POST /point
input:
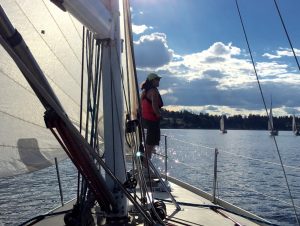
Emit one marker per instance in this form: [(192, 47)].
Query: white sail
[(270, 123), (295, 130), (294, 126), (273, 131), (222, 123), (55, 41)]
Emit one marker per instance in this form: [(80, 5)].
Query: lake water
[(249, 174)]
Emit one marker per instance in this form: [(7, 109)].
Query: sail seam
[(68, 72), (16, 117), (18, 83), (73, 51)]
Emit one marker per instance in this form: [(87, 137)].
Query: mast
[(103, 19), (113, 110)]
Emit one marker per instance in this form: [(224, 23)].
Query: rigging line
[(141, 134), (112, 111), (265, 195), (95, 95), (212, 207), (81, 103), (122, 79), (72, 20), (198, 145), (287, 34), (119, 124), (259, 160), (31, 148), (126, 33), (21, 119), (93, 99), (113, 89), (89, 59), (89, 55), (118, 111), (278, 152), (252, 60), (73, 51), (81, 81), (99, 72), (231, 153), (59, 60), (185, 164), (128, 14)]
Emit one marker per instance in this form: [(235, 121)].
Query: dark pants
[(153, 132)]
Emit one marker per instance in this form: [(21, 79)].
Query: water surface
[(249, 174)]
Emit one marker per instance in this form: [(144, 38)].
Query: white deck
[(188, 215)]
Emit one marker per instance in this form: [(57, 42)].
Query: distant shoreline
[(188, 120)]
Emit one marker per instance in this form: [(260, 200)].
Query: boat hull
[(196, 209)]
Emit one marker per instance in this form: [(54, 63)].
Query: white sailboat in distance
[(273, 131), (222, 125), (295, 130)]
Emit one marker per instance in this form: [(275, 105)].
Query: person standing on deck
[(151, 104)]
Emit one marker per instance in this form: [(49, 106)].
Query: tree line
[(188, 120)]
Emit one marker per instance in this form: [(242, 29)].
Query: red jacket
[(147, 109)]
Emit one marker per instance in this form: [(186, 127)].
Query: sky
[(199, 49)]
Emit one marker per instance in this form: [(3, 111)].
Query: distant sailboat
[(273, 132), (222, 125), (294, 127)]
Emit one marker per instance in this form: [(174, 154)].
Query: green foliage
[(189, 120)]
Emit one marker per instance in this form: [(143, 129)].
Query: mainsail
[(26, 144), (270, 123), (222, 124), (294, 126), (273, 131)]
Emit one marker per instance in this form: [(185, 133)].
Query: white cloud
[(165, 91), (271, 69), (282, 52), (271, 56), (139, 29), (217, 63), (152, 51), (221, 79)]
